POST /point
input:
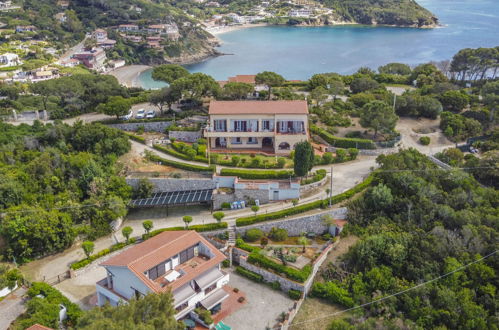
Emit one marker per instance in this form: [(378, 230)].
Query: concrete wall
[(124, 280), (158, 126), (295, 227), (247, 194), (166, 184), (186, 136)]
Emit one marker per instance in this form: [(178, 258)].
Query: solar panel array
[(174, 198)]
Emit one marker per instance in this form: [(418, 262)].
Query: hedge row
[(249, 274), (318, 176), (342, 142), (246, 221), (115, 247), (254, 174), (291, 273), (175, 153), (136, 138), (183, 166), (246, 247), (198, 228)]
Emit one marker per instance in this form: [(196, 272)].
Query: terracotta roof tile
[(258, 107), (244, 78), (38, 327)]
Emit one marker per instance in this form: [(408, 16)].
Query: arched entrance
[(284, 146)]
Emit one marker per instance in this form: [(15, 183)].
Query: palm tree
[(303, 241)]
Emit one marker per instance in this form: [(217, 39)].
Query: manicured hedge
[(294, 294), (342, 142), (249, 274), (254, 174), (198, 228), (246, 221), (183, 166), (115, 247), (291, 273), (318, 176), (246, 247), (175, 153), (136, 138)]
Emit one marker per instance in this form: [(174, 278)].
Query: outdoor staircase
[(232, 235)]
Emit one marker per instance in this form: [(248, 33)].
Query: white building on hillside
[(9, 59), (182, 262)]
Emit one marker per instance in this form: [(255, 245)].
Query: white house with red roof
[(273, 127), (182, 262)]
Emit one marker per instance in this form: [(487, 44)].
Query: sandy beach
[(128, 75), (215, 30)]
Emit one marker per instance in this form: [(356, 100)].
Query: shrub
[(241, 300), (278, 234), (425, 140), (342, 142), (294, 294), (218, 216), (198, 228), (204, 315), (318, 175), (333, 293), (275, 285), (249, 274), (281, 162), (140, 129), (225, 205), (246, 247), (253, 235), (254, 174), (226, 263), (235, 160)]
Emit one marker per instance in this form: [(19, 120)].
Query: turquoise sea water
[(299, 52)]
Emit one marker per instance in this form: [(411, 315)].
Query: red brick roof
[(244, 78), (157, 249), (38, 327), (258, 107)]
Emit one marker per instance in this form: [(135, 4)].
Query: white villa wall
[(124, 282)]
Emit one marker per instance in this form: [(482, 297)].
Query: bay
[(299, 52)]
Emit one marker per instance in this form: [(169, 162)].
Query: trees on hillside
[(116, 106), (475, 64), (196, 86), (379, 116), (269, 79), (153, 311), (169, 72), (237, 90), (395, 68), (303, 158), (164, 96)]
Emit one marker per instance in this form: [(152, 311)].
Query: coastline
[(128, 75)]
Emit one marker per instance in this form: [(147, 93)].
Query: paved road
[(11, 307)]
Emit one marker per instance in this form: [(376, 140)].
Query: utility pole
[(331, 188)]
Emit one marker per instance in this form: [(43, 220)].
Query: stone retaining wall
[(313, 185), (158, 126), (295, 227), (268, 276), (185, 136)]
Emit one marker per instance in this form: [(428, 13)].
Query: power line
[(397, 293)]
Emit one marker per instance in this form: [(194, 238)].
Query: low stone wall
[(158, 126), (313, 185), (166, 184), (295, 227), (185, 136), (268, 276)]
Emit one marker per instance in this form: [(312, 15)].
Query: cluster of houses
[(153, 35)]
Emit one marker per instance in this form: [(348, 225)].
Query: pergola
[(174, 198)]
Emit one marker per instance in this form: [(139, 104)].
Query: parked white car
[(141, 114), (151, 114), (128, 116)]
